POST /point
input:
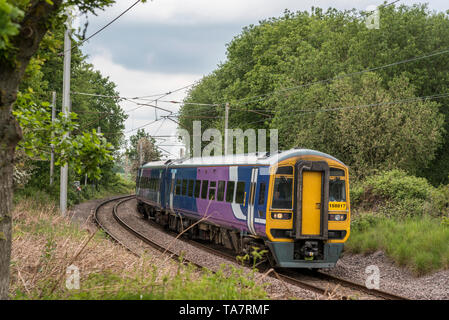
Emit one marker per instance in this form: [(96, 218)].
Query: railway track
[(316, 281)]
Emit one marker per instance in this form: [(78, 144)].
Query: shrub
[(395, 193)]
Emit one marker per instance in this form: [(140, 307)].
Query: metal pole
[(52, 156), (140, 152), (65, 110), (226, 129)]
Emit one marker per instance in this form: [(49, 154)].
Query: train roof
[(259, 159)]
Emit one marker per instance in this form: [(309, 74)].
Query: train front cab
[(308, 212)]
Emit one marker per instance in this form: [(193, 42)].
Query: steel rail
[(277, 273)]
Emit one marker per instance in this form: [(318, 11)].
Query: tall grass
[(419, 243), (45, 244)]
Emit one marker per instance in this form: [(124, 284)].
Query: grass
[(45, 244), (118, 185), (418, 243)]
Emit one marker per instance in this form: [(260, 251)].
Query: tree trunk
[(10, 134), (32, 29)]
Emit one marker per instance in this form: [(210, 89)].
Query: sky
[(163, 45)]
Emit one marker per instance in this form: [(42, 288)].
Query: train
[(294, 205)]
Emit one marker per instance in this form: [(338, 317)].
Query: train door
[(312, 198), (311, 202), (251, 200), (170, 189)]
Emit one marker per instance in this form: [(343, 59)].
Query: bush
[(395, 193)]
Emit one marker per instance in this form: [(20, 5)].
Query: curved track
[(315, 281)]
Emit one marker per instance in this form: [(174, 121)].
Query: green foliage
[(43, 75), (394, 193), (228, 283), (141, 149), (9, 15), (300, 48), (87, 152), (417, 243)]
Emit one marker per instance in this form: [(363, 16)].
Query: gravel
[(83, 214), (393, 278)]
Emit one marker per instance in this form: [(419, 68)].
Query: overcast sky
[(163, 45)]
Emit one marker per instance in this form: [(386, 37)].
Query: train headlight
[(337, 217), (281, 215)]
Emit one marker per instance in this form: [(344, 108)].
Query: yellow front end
[(309, 188)]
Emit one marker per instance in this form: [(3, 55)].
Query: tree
[(23, 26), (269, 69), (43, 75), (142, 148)]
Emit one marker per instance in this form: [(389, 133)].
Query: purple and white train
[(294, 203)]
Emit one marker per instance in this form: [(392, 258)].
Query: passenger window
[(230, 191), (221, 189), (184, 187), (178, 187), (190, 194), (240, 194), (262, 193), (197, 188), (204, 186), (212, 190)]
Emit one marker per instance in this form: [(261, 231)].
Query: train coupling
[(309, 250)]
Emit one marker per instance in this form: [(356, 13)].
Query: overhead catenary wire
[(101, 29)]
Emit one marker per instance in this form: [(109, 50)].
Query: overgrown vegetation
[(276, 76), (301, 73), (403, 215), (116, 185), (45, 244), (418, 243)]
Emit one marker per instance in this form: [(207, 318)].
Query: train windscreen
[(337, 191), (282, 193)]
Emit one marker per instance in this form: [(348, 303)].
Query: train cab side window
[(230, 191), (262, 193), (190, 193), (204, 186), (221, 189), (240, 194), (178, 187), (184, 187), (197, 188)]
